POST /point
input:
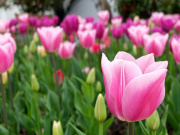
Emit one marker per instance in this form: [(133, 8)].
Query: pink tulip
[(50, 37), (116, 22), (105, 34), (7, 38), (177, 26), (4, 24), (6, 57), (155, 43), (66, 49), (22, 28), (156, 17), (175, 44), (136, 34), (87, 38), (174, 37), (104, 16), (134, 88), (24, 18)]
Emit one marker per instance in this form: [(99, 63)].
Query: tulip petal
[(145, 61), (156, 66), (124, 56), (143, 95)]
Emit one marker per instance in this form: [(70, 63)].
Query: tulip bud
[(98, 86), (35, 37), (57, 128), (26, 49), (91, 76), (11, 69), (100, 109), (32, 47), (151, 24), (4, 77), (136, 18), (41, 51), (34, 83), (153, 121), (86, 56)]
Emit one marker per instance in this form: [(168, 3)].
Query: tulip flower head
[(4, 26), (136, 34), (60, 76), (24, 18), (156, 17), (33, 20), (100, 28), (6, 57), (87, 38), (66, 49), (22, 28), (104, 16), (175, 37), (175, 44), (134, 88), (117, 32), (70, 24), (50, 37), (155, 43)]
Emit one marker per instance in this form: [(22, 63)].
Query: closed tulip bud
[(136, 18), (100, 109), (57, 128), (98, 86), (32, 47), (26, 49), (34, 83), (153, 121), (86, 56), (35, 37), (4, 77), (41, 51), (11, 69), (91, 76)]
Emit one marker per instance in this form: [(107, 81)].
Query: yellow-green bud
[(98, 86), (91, 76), (34, 83), (32, 47), (153, 121), (4, 77), (11, 69), (26, 49), (100, 109), (57, 128), (86, 56), (35, 37)]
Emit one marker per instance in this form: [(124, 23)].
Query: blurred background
[(126, 8)]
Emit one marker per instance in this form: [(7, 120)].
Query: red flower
[(60, 76)]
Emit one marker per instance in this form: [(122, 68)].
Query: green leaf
[(3, 131), (108, 123), (47, 125), (87, 90), (175, 95), (163, 121), (144, 130), (76, 129)]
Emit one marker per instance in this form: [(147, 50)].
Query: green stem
[(4, 103), (131, 128), (117, 41), (153, 133), (52, 58), (10, 91), (101, 128), (89, 58), (176, 69)]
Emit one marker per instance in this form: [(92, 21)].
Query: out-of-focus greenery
[(144, 8)]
